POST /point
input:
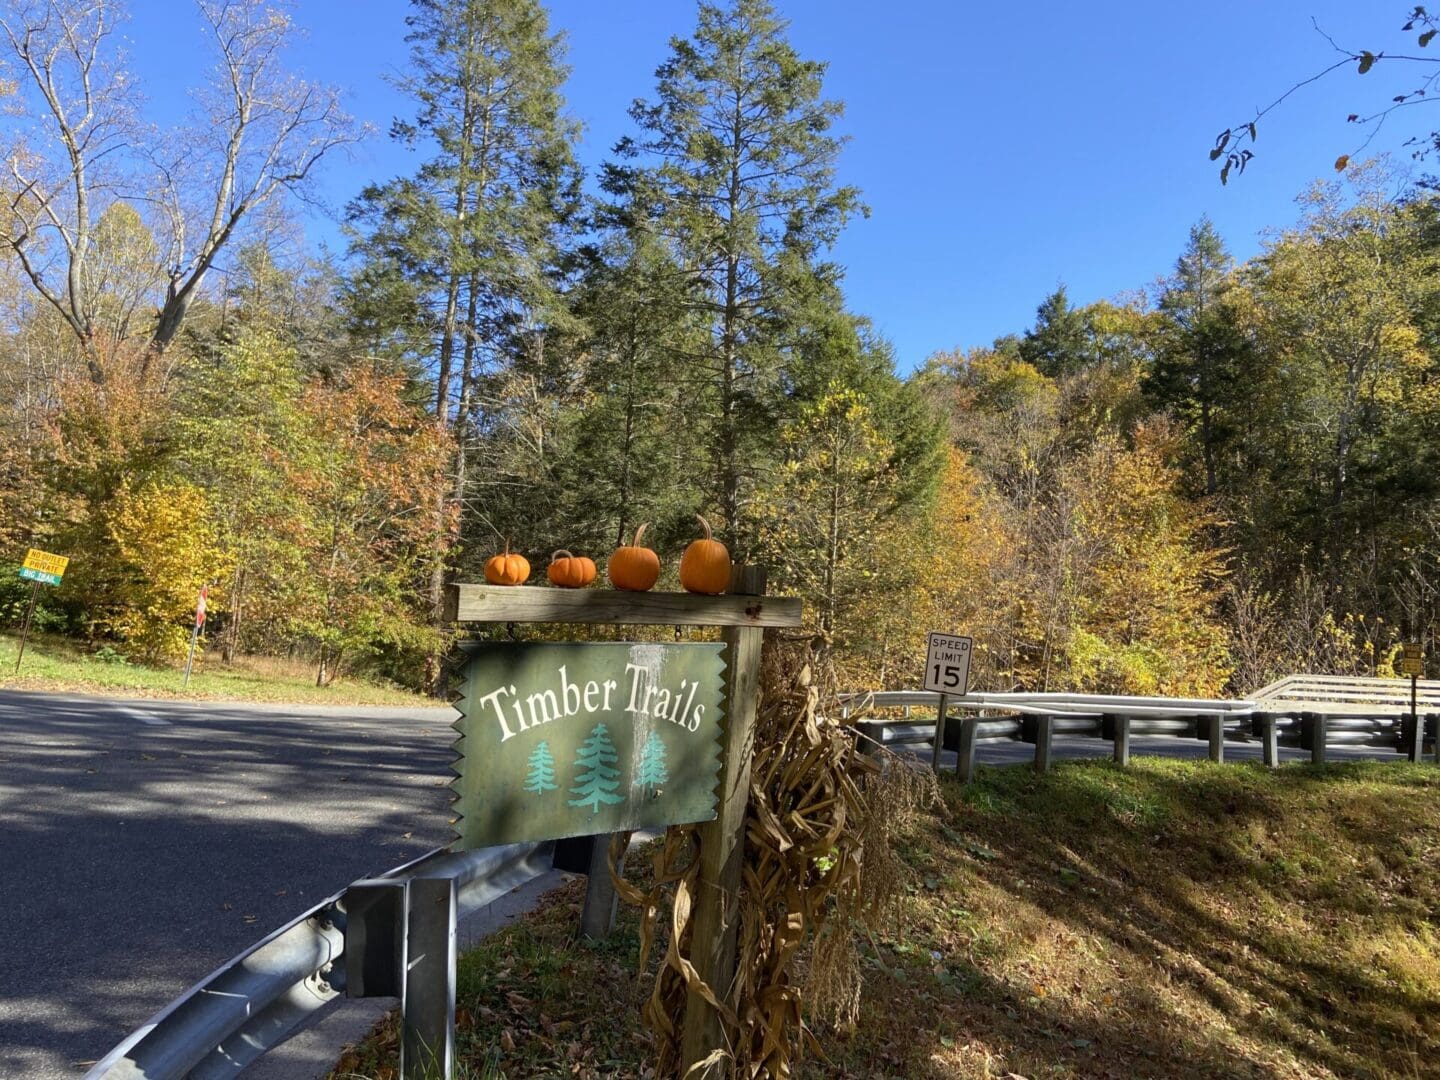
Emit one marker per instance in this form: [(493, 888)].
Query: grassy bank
[(59, 664), (1176, 919)]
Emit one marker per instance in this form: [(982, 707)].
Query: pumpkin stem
[(640, 532), (706, 526), (555, 556), (507, 545)]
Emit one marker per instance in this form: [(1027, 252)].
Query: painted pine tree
[(599, 779), (541, 777), (652, 771)]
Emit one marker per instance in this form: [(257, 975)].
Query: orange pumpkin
[(507, 569), (634, 567), (571, 572), (705, 566)]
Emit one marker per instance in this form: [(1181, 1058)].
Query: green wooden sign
[(578, 739)]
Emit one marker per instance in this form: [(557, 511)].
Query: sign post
[(195, 631), (947, 673), (39, 568)]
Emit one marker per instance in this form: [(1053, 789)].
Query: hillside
[(1171, 920)]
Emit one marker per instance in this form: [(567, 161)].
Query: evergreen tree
[(461, 261), (1059, 343), (652, 771), (541, 777), (610, 458), (599, 779), (1202, 350), (735, 161)]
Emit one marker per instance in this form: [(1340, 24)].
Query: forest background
[(1226, 475)]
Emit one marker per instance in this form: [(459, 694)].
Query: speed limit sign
[(947, 663)]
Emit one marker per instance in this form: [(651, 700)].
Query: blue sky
[(1003, 148)]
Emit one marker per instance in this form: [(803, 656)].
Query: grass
[(55, 663), (1172, 919)]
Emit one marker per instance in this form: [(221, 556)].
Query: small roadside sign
[(39, 568), (947, 663), (1412, 660), (43, 567), (195, 631)]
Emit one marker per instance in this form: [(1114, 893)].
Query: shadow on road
[(139, 856)]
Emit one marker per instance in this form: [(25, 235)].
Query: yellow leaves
[(166, 550)]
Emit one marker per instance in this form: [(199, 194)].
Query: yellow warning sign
[(35, 559)]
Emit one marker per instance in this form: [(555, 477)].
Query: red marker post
[(195, 630)]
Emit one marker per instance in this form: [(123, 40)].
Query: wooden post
[(722, 842), (939, 732), (1415, 744), (965, 766), (1122, 740), (1217, 738), (1269, 739), (1044, 734)]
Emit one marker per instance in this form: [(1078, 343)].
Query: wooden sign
[(43, 567), (947, 663), (564, 740)]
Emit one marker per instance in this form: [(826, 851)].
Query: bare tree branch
[(80, 150)]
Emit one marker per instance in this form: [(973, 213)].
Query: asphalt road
[(143, 843)]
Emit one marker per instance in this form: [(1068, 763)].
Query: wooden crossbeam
[(534, 604)]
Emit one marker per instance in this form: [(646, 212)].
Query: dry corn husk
[(819, 868)]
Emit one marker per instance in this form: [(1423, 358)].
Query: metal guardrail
[(1311, 691), (1038, 718), (256, 1000)]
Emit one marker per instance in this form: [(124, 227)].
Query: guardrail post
[(1313, 730), (427, 1004), (1044, 735), (1412, 737), (597, 918), (374, 938), (1432, 728), (965, 766), (1122, 739), (939, 732), (1216, 734), (1263, 724)]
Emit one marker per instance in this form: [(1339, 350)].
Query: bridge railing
[(1312, 723)]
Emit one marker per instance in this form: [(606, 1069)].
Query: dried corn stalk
[(819, 868)]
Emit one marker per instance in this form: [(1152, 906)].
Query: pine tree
[(599, 779), (1202, 350), (653, 771), (1059, 343), (460, 261), (736, 160), (626, 465), (542, 771)]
